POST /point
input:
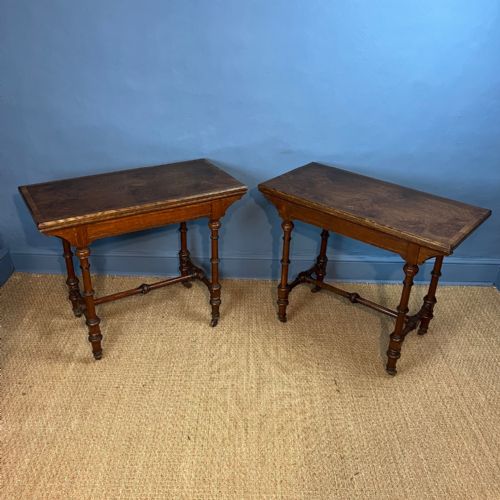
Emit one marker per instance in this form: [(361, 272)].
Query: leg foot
[(78, 312), (422, 330), (397, 337), (214, 322), (391, 371)]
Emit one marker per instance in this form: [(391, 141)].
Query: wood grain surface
[(92, 198), (411, 215)]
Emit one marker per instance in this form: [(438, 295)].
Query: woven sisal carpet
[(253, 408)]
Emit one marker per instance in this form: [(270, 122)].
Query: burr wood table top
[(414, 216), (94, 198)]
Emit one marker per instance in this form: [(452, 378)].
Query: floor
[(253, 408)]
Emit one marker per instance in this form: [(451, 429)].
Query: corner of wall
[(6, 265)]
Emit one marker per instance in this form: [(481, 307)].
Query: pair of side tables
[(416, 225)]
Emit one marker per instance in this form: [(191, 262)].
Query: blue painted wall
[(404, 91)]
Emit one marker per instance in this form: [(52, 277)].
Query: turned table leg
[(93, 320), (283, 289), (426, 313), (321, 261), (72, 281), (215, 288), (397, 337), (184, 260)]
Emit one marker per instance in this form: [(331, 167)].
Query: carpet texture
[(253, 408)]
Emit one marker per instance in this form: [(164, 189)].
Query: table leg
[(426, 313), (184, 260), (283, 289), (93, 320), (397, 337), (215, 288), (321, 261), (72, 281)]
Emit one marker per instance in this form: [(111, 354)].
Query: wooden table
[(84, 209), (413, 224)]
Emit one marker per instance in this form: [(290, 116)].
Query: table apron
[(83, 234), (408, 250), (150, 220)]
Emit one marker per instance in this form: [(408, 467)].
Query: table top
[(81, 200), (416, 216)]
